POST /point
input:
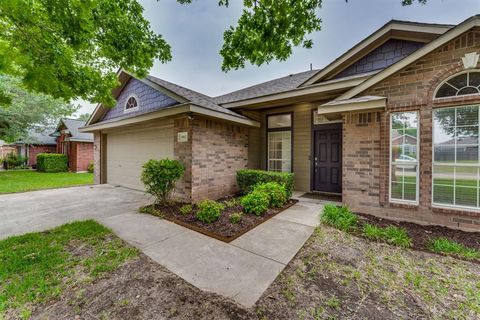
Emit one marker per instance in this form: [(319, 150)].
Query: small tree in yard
[(160, 177)]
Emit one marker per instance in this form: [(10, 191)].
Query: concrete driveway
[(241, 270), (44, 209)]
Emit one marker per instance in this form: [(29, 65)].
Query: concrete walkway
[(241, 270)]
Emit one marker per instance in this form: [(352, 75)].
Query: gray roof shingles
[(279, 85), (73, 125), (193, 96)]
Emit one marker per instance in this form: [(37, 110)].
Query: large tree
[(28, 110), (72, 48)]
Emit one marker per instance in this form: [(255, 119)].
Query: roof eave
[(302, 91), (169, 112)]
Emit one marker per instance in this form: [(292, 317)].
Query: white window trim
[(453, 206), (417, 185), (275, 159), (125, 110), (448, 79)]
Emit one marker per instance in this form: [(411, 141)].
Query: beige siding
[(302, 136), (128, 150)]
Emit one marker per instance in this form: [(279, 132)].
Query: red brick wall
[(83, 155), (410, 89), (33, 150)]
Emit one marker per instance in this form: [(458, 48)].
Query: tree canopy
[(28, 110), (72, 49)]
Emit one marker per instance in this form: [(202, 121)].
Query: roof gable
[(149, 100), (385, 55), (448, 36), (399, 30)]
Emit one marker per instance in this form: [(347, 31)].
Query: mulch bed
[(422, 235), (222, 229)]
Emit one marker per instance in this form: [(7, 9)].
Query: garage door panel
[(128, 151)]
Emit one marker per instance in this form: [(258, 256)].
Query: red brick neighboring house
[(392, 125), (76, 145), (37, 142)]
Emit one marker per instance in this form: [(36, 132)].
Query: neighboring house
[(78, 146), (6, 148), (36, 142), (332, 127)]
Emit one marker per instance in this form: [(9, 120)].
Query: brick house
[(391, 125), (78, 146), (37, 142)]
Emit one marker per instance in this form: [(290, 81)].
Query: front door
[(327, 161)]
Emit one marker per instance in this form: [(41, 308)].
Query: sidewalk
[(242, 269)]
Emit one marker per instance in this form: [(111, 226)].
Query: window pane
[(467, 116), (459, 81), (465, 196), (279, 151), (446, 91), (443, 195), (443, 175), (280, 121), (456, 184), (474, 79), (403, 150)]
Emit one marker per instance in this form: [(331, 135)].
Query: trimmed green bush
[(391, 234), (255, 202), (277, 194), (160, 177), (339, 217), (236, 217), (209, 211), (90, 167), (446, 246), (186, 209), (247, 179), (52, 162)]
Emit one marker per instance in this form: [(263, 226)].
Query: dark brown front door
[(327, 165)]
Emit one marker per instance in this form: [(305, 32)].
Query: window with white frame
[(131, 103), (279, 142), (456, 166), (465, 83), (404, 157)]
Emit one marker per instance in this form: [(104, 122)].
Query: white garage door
[(127, 151)]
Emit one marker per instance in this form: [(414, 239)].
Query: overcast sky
[(195, 33)]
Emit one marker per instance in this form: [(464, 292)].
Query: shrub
[(231, 203), (277, 193), (186, 209), (90, 167), (391, 234), (339, 217), (52, 162), (209, 211), (152, 211), (256, 202), (14, 161), (236, 217), (160, 177), (247, 179), (446, 246)]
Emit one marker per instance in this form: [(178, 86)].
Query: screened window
[(131, 103), (462, 84), (456, 157), (279, 131), (404, 157)]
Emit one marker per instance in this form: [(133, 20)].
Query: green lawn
[(18, 181), (37, 267)]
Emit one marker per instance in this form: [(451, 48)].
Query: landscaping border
[(211, 234)]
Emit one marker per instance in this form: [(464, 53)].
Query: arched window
[(131, 103), (466, 83)]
